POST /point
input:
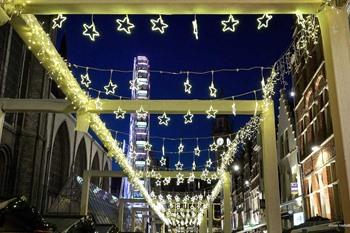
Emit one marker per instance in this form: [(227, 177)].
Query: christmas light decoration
[(187, 85), (147, 146), (194, 165), (148, 161), (191, 177), (263, 21), (213, 146), (212, 90), (179, 166), (188, 117), (166, 181), (158, 182), (179, 178), (180, 148), (158, 24), (234, 110), (163, 119), (98, 103), (134, 85), (141, 113), (119, 114), (58, 21), (124, 25), (195, 27), (85, 79), (229, 24), (211, 112), (110, 87), (162, 161), (208, 163), (204, 174), (197, 151), (90, 30)]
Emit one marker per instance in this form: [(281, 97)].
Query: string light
[(263, 21), (159, 25), (179, 178), (58, 21), (148, 146), (163, 119), (187, 85), (124, 25), (229, 24), (188, 117), (179, 166), (181, 147), (162, 161), (141, 113), (90, 30), (211, 112), (119, 114), (212, 89), (213, 146), (85, 79), (197, 151), (195, 27), (110, 87)]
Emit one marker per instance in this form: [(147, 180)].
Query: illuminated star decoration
[(119, 114), (234, 110), (208, 163), (188, 117), (110, 88), (179, 166), (197, 151), (148, 161), (229, 24), (90, 31), (214, 176), (213, 146), (98, 103), (148, 146), (191, 177), (180, 148), (141, 113), (163, 119), (204, 174), (166, 181), (158, 24), (195, 27), (85, 79), (158, 183), (212, 90), (124, 25), (162, 161), (187, 85), (263, 21), (179, 178), (194, 165), (58, 21), (134, 85), (211, 112)]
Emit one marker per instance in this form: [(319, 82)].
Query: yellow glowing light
[(263, 21), (158, 24), (124, 25), (229, 24)]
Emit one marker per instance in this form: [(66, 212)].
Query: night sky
[(178, 50)]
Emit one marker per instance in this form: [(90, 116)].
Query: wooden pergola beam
[(169, 6)]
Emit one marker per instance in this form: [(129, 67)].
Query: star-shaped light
[(212, 90), (148, 161), (134, 85), (163, 119), (166, 181), (263, 21), (141, 113), (98, 103), (234, 110), (208, 163), (169, 197), (133, 155), (179, 178), (58, 21), (208, 180), (153, 195), (191, 177), (180, 148), (119, 114), (194, 165), (211, 112), (214, 176), (195, 28), (179, 166), (110, 88), (124, 25), (229, 24), (153, 172), (177, 198), (85, 80), (188, 86), (162, 161), (148, 146), (213, 146), (197, 151), (90, 31), (204, 174), (158, 182), (159, 25), (188, 117)]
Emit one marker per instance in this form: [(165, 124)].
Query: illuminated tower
[(139, 126)]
